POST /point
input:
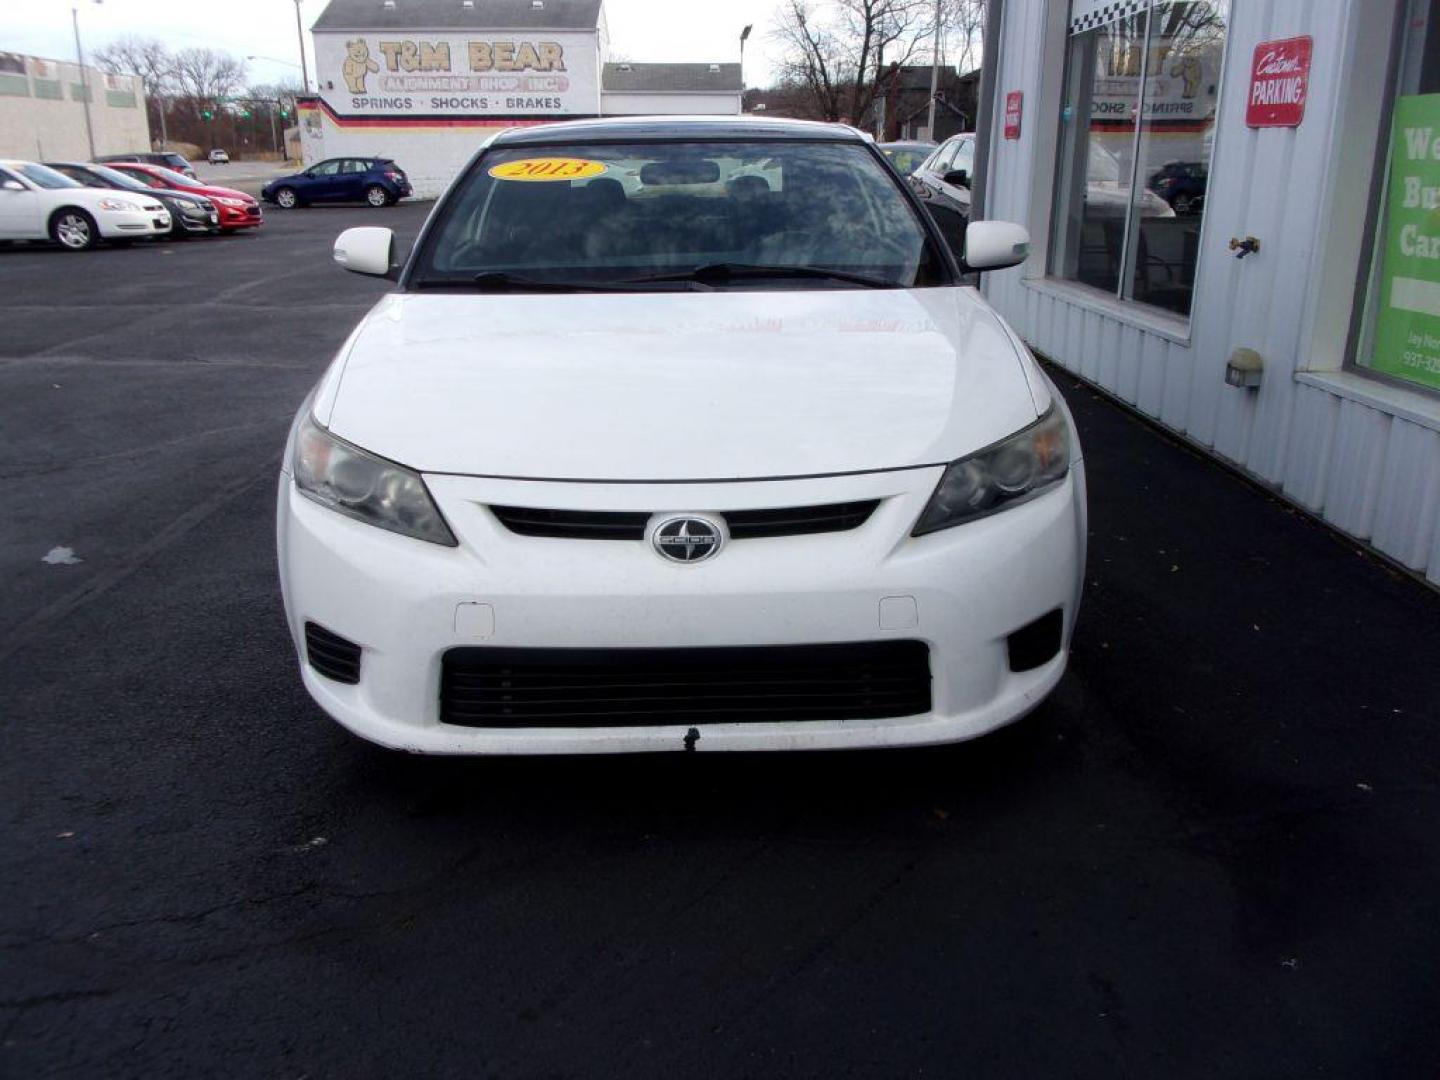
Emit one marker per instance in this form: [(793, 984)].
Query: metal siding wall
[(1373, 476)]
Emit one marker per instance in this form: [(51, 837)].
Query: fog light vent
[(331, 655), (1036, 643)]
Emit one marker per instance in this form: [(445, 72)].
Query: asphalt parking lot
[(1212, 853)]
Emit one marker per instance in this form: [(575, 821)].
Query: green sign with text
[(1407, 337)]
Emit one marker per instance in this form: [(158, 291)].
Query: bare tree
[(204, 77), (837, 50), (146, 57), (152, 61), (282, 94), (965, 32)]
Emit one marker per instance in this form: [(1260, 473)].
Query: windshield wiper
[(721, 272)]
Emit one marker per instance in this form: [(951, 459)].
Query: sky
[(640, 30)]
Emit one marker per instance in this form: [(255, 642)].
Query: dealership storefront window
[(1137, 127), (1399, 333)]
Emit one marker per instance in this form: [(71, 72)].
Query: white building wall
[(42, 115), (1363, 455)]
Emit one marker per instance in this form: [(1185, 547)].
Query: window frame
[(950, 262), (1055, 201), (1368, 270)]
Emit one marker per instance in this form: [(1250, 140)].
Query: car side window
[(327, 168), (965, 156), (942, 161), (351, 166)]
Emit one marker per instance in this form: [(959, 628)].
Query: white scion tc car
[(680, 434), (37, 202)]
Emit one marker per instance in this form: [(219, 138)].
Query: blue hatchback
[(377, 181)]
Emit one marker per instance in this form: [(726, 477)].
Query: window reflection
[(1137, 128)]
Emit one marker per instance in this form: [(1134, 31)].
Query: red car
[(237, 210)]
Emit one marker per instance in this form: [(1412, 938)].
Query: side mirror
[(366, 249), (12, 185), (995, 245), (958, 177)]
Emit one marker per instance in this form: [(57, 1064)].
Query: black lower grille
[(630, 525), (331, 655), (550, 688)]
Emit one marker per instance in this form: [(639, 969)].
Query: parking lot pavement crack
[(27, 630)]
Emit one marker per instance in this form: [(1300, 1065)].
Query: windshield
[(116, 177), (808, 214), (908, 158), (175, 178), (45, 177)]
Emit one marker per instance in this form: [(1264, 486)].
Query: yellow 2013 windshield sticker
[(548, 168)]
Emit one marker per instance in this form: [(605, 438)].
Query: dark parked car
[(188, 213), (377, 181), (1182, 185), (177, 162), (907, 156)]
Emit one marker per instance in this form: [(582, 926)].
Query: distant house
[(907, 103), (904, 97)]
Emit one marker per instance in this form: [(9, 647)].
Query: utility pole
[(935, 73), (880, 95), (274, 138), (300, 34), (160, 101), (744, 34), (84, 79)]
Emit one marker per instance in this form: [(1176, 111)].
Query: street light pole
[(300, 36), (84, 78)]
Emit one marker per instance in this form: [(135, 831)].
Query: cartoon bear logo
[(1188, 68), (357, 64)]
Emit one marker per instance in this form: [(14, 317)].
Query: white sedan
[(729, 457), (37, 203)]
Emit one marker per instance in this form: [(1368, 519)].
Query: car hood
[(678, 386), (91, 197), (224, 192)]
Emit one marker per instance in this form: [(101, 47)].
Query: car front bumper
[(116, 224), (233, 217), (198, 221), (961, 591)]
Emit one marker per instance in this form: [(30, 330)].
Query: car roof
[(634, 128)]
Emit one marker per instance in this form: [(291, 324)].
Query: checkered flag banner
[(1088, 14)]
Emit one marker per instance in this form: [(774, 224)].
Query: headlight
[(237, 203), (118, 204), (1013, 470), (365, 487)]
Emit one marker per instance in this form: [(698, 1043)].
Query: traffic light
[(245, 114), (206, 114), (284, 112)]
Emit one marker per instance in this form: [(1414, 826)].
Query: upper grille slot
[(799, 520), (630, 525), (573, 524)]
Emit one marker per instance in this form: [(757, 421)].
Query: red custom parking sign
[(1279, 83), (1014, 107)]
